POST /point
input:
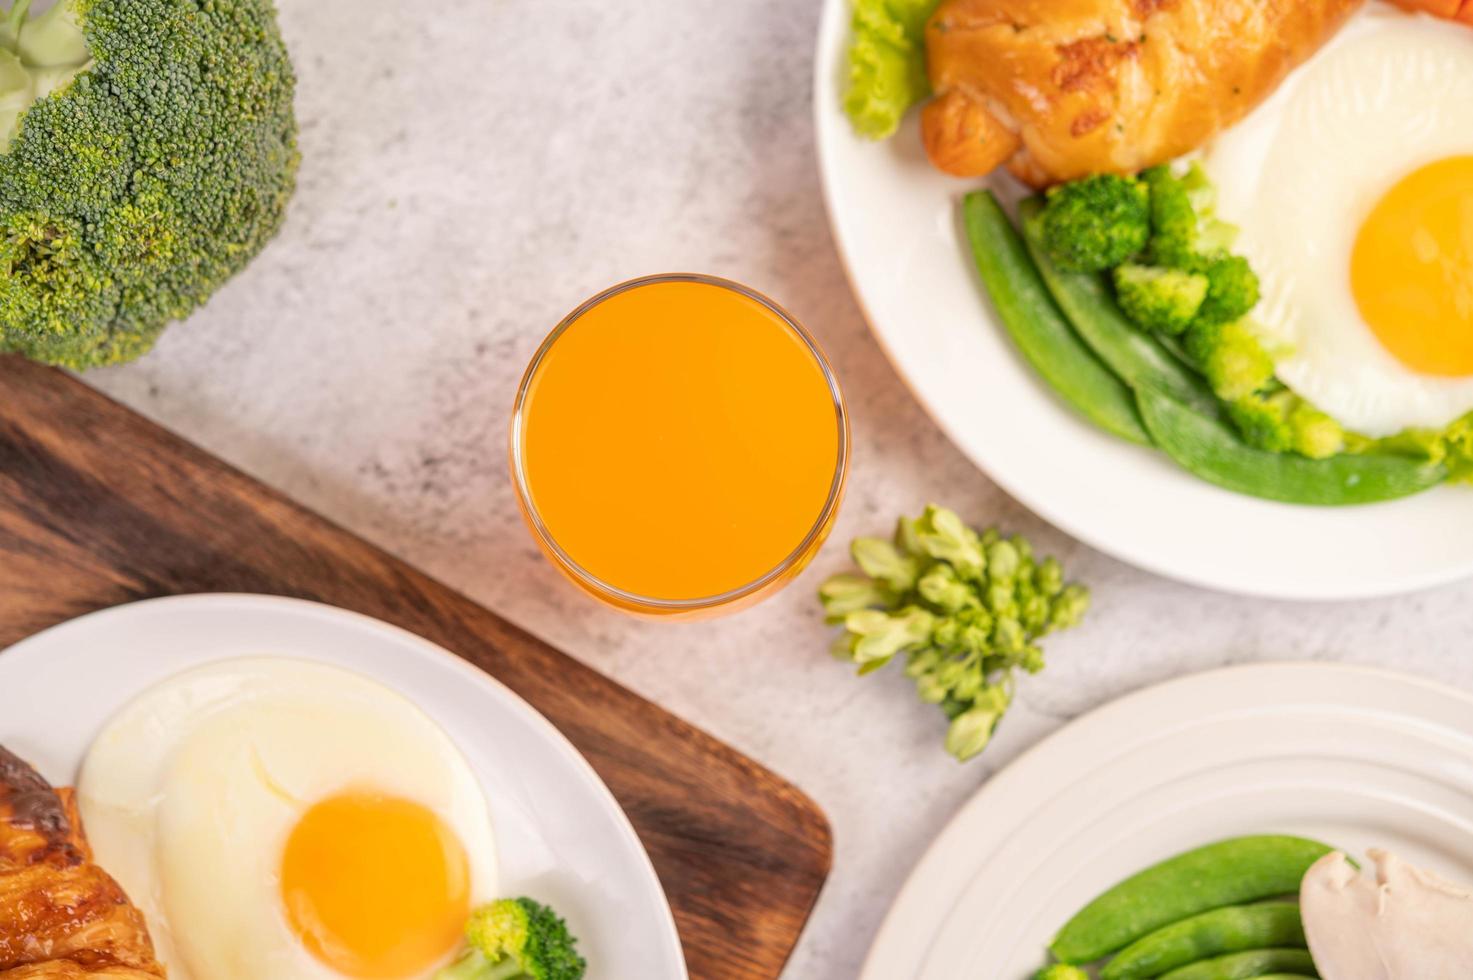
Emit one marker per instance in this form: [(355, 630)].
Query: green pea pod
[(1211, 450), (1253, 963), (1230, 872), (1038, 328), (1137, 358), (1270, 925)]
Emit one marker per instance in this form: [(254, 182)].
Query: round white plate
[(561, 836), (895, 219), (1352, 756)]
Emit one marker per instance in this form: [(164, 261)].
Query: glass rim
[(622, 596)]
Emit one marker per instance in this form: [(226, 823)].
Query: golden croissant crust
[(1060, 89), (61, 916)]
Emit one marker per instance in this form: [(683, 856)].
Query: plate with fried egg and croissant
[(232, 787), (1191, 279)]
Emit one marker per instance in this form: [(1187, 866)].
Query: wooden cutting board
[(99, 506)]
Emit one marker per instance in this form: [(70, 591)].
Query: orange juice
[(679, 444)]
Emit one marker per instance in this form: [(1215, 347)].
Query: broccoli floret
[(1200, 192), (1230, 357), (1280, 421), (1232, 289), (1263, 420), (1159, 299), (1458, 445), (1061, 971), (1184, 232), (1097, 223), (1315, 434), (151, 155), (1173, 219), (516, 939)]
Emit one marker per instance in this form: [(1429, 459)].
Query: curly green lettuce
[(887, 63)]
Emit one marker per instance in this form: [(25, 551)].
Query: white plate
[(1352, 756), (896, 225), (561, 836)]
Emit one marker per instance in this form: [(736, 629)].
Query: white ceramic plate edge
[(830, 126), (913, 915), (470, 673)]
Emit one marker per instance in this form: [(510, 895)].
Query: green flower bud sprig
[(966, 610)]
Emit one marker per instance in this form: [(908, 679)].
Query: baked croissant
[(1060, 89), (61, 916)]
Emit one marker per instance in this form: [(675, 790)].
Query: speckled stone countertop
[(475, 168)]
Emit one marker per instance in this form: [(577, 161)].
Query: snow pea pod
[(1230, 872), (1037, 326), (1253, 963), (1139, 359), (1208, 448), (1270, 925)]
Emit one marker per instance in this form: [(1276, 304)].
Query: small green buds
[(964, 609)]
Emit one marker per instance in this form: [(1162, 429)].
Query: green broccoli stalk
[(966, 610), (1095, 224), (150, 150), (516, 939), (1159, 299), (1061, 971)]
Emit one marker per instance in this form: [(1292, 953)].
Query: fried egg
[(286, 819), (1353, 187)]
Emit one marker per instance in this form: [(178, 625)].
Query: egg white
[(190, 793), (1391, 94)]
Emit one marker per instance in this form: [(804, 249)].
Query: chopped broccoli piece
[(1173, 219), (887, 63), (1159, 299), (1184, 232), (1097, 223), (151, 155), (1457, 443), (1232, 289), (1215, 237), (1315, 434), (1061, 971), (1263, 420), (1196, 288), (516, 939), (966, 610), (1280, 421), (1230, 357), (1198, 185)]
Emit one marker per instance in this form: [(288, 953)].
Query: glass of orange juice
[(679, 446)]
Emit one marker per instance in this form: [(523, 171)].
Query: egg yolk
[(375, 886), (1411, 269)]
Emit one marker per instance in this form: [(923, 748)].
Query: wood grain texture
[(99, 506)]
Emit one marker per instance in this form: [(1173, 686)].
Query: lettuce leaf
[(887, 63)]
